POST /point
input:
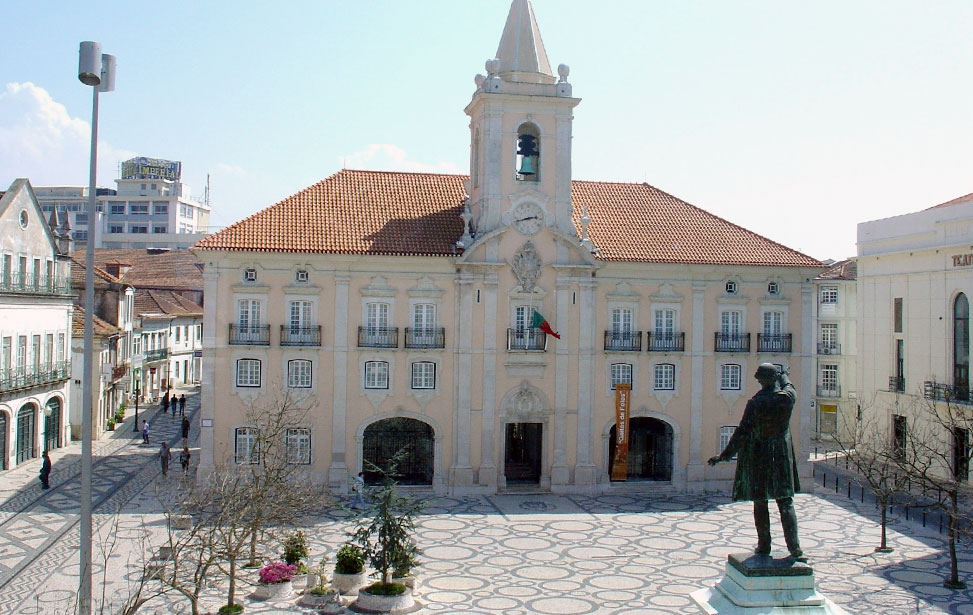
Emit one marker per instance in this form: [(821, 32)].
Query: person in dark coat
[(46, 472), (165, 402), (185, 428), (165, 455), (766, 466), (182, 405)]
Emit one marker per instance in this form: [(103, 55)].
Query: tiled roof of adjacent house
[(150, 268), (418, 214), (842, 270), (165, 302), (960, 199), (102, 278), (99, 327)]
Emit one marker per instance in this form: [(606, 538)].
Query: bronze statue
[(766, 467)]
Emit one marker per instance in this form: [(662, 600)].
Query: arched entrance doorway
[(649, 449), (383, 439), (3, 441), (52, 425), (25, 433)]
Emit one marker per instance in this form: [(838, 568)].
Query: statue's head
[(766, 373)]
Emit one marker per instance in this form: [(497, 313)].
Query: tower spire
[(521, 51)]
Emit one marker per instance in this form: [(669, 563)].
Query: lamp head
[(89, 63)]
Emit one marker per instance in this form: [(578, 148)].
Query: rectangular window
[(726, 432), (621, 321), (899, 435), (897, 315), (139, 207), (829, 294), (60, 347), (773, 323), (248, 314), (160, 208), (199, 332), (621, 373), (49, 348), (118, 208), (5, 357), (423, 375), (140, 229), (730, 377), (300, 315), (246, 445), (665, 377), (829, 377), (730, 322), (961, 454), (523, 317), (176, 373), (377, 316), (829, 337), (160, 229), (116, 228), (81, 218), (297, 442), (248, 372), (299, 374), (177, 335), (21, 351), (376, 375), (665, 322)]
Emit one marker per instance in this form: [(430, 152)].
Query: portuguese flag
[(541, 323)]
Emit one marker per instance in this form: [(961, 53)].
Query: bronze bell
[(527, 166)]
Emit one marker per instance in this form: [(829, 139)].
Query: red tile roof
[(99, 327), (102, 278), (148, 268), (842, 270), (960, 199), (165, 302), (417, 214)]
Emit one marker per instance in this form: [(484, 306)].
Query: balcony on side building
[(425, 338), (897, 384), (945, 392), (829, 348), (775, 344), (29, 284), (250, 335), (529, 339), (667, 342), (623, 341), (28, 376), (732, 342), (378, 337), (300, 336), (829, 390), (159, 354), (119, 371)]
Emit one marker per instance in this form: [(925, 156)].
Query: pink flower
[(277, 572)]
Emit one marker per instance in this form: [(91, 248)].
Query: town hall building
[(418, 310)]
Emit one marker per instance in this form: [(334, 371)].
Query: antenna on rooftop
[(206, 192)]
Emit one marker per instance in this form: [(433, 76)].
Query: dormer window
[(528, 157), (250, 275), (300, 276), (731, 287)]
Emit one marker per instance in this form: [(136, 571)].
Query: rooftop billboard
[(151, 168)]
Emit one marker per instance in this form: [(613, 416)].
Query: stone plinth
[(766, 585)]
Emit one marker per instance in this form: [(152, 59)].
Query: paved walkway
[(620, 554)]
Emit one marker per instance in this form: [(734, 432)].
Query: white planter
[(274, 591), (304, 581), (348, 584), (384, 604), (409, 581), (323, 604)]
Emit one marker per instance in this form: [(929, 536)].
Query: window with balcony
[(621, 337), (299, 331), (424, 332), (730, 338), (377, 333), (376, 375), (621, 373), (772, 338), (297, 443), (249, 329), (828, 339), (248, 372), (664, 377), (730, 377), (828, 380), (523, 335), (299, 374), (246, 446), (423, 375)]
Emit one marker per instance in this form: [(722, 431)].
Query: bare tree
[(937, 455), (869, 449)]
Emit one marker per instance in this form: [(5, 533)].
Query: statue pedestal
[(766, 585)]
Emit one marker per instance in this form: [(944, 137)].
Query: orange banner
[(623, 397)]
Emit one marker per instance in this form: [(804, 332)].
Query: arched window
[(528, 153), (52, 425), (3, 441), (650, 443), (25, 433), (385, 438), (961, 348)]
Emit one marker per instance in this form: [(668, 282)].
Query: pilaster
[(461, 472), (213, 355), (488, 465), (694, 470), (560, 473), (585, 471), (338, 472)]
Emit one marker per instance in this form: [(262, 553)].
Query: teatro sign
[(962, 260)]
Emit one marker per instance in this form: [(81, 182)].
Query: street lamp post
[(135, 427), (97, 70)]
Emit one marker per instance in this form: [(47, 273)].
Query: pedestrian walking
[(145, 432), (182, 405), (185, 428), (184, 457), (164, 456), (358, 486), (46, 472), (165, 402)]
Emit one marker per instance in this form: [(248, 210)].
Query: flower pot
[(304, 581), (409, 581), (348, 584), (373, 603), (274, 591), (329, 603)]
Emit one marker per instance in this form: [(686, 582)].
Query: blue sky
[(796, 120)]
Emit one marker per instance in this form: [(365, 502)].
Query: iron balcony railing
[(378, 337), (667, 342), (250, 335), (300, 336), (829, 390), (16, 282), (946, 392), (623, 341), (28, 376), (425, 338), (732, 342), (118, 371), (897, 384), (774, 343), (526, 339), (158, 354), (829, 348)]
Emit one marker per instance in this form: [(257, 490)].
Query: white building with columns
[(407, 308)]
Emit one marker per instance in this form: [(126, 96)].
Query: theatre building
[(419, 309)]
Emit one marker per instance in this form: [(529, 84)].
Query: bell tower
[(520, 130)]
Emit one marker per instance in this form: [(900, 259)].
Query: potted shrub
[(403, 567), (111, 424), (275, 581), (349, 570), (295, 550)]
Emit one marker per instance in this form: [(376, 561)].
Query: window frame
[(426, 381), (829, 295), (299, 373), (301, 436), (728, 373), (660, 377), (250, 438), (373, 371), (616, 375), (245, 373)]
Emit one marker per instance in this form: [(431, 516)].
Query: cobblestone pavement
[(619, 554)]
